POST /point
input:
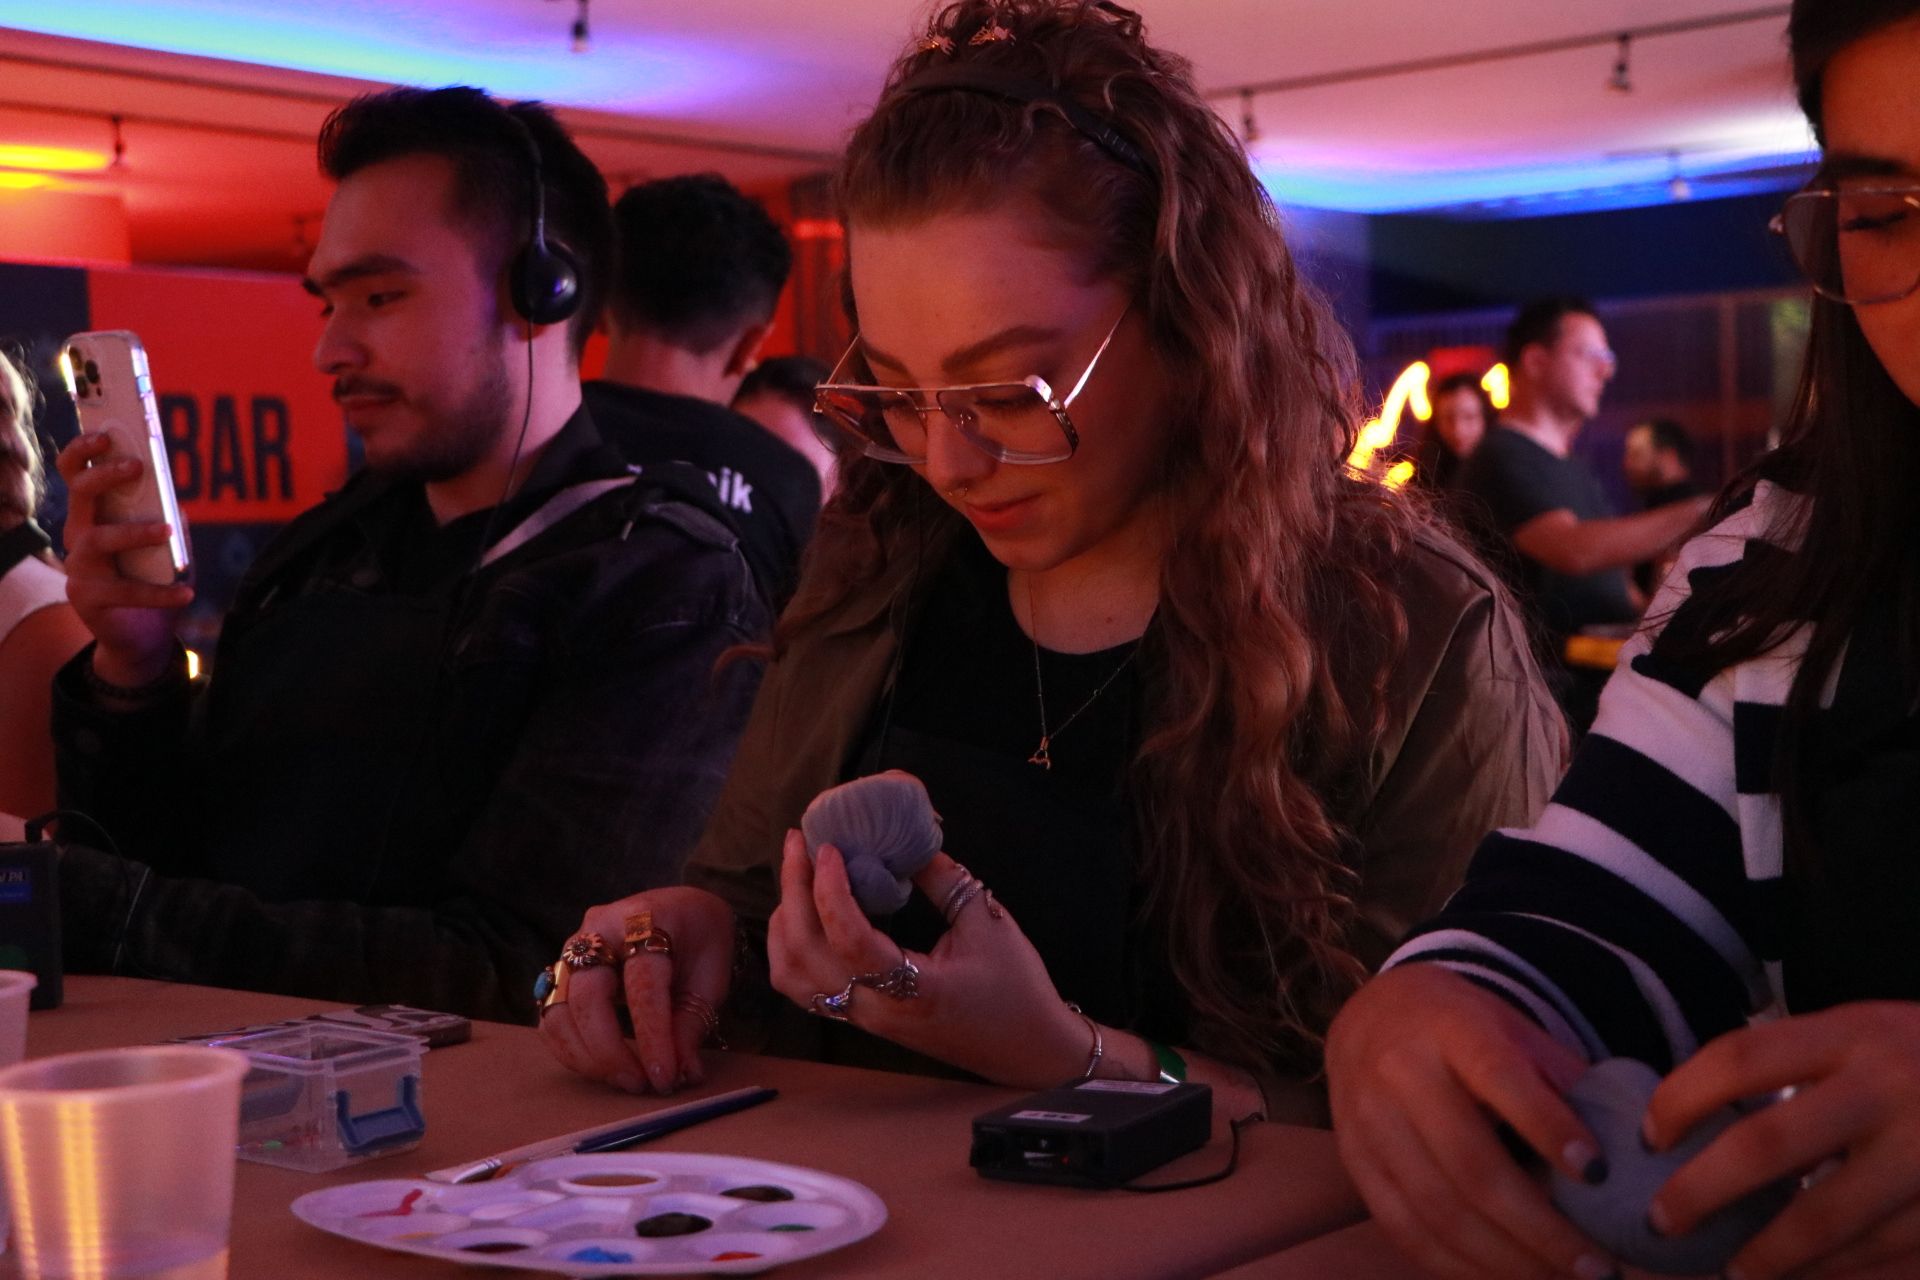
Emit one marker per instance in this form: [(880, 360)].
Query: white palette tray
[(623, 1214)]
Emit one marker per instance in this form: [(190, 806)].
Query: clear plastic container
[(322, 1097)]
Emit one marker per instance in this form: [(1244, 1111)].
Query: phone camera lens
[(93, 372)]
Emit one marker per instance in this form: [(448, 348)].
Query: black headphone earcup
[(544, 283)]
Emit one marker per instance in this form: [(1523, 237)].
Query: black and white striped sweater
[(1641, 915)]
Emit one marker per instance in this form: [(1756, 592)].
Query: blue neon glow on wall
[(1525, 192), (525, 58)]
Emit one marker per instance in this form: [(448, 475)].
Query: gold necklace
[(1042, 754)]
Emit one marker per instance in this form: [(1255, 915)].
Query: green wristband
[(1173, 1067)]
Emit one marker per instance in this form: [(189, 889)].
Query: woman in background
[(1462, 416), (38, 628)]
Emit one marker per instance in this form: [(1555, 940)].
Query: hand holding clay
[(885, 829), (1612, 1100)]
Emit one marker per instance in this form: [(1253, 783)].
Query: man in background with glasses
[(1548, 522)]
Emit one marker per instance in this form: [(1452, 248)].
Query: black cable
[(1233, 1162)]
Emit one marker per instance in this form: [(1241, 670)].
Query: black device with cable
[(1098, 1133)]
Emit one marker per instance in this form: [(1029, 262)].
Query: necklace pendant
[(1041, 756)]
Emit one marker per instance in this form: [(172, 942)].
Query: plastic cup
[(16, 988), (119, 1162)]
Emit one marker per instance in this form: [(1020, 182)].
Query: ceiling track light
[(582, 34), (1621, 81)]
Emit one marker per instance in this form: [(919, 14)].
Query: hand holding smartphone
[(107, 375)]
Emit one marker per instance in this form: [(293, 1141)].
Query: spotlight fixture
[(1621, 81), (582, 36), (1249, 127)]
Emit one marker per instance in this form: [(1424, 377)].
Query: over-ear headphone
[(543, 280)]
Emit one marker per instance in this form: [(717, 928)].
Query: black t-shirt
[(1509, 480), (1057, 846), (770, 490)]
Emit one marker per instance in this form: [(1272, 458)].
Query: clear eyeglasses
[(1019, 422), (1857, 245)]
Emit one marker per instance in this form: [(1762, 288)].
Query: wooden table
[(904, 1136), (1359, 1252)]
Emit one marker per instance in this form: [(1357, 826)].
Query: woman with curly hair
[(1212, 718)]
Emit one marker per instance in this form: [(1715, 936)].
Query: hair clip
[(989, 35), (936, 44)]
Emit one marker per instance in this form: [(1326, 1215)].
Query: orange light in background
[(1409, 389), (23, 181), (1399, 473), (52, 159), (1498, 386)]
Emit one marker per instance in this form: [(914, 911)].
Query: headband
[(990, 82)]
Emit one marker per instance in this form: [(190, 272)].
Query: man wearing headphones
[(464, 697)]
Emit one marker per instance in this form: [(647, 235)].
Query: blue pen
[(630, 1133)]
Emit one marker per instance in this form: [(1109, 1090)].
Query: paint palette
[(610, 1215)]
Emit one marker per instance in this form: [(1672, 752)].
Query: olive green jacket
[(1474, 742)]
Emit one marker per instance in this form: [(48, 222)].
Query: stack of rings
[(965, 890), (701, 1007)]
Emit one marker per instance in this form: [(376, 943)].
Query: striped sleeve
[(1635, 917)]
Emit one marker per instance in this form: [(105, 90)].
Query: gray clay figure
[(885, 828), (1612, 1099)]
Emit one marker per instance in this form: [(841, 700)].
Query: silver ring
[(957, 900), (837, 1007), (902, 982)]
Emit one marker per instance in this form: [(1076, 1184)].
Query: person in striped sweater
[(1726, 885)]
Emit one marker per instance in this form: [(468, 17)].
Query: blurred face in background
[(794, 425), (1460, 420), (1571, 374)]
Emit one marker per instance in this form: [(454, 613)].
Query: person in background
[(1462, 416), (1209, 715), (1658, 464), (698, 269), (778, 394), (466, 693), (1726, 886), (39, 630), (1544, 517)]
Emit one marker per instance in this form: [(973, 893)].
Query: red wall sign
[(252, 430)]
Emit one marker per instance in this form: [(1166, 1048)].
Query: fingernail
[(1591, 1266), (630, 1083), (1580, 1154), (1659, 1219)]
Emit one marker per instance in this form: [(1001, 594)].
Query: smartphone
[(106, 374)]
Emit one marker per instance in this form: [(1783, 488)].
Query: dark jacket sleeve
[(606, 790)]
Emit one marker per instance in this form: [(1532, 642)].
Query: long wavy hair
[(1278, 624), (1851, 446)]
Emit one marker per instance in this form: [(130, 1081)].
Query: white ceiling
[(223, 96)]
